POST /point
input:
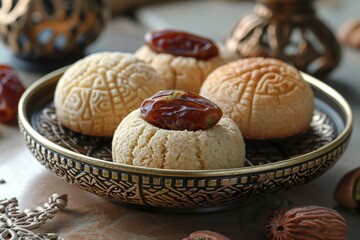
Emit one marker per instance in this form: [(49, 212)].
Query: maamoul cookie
[(267, 98), (184, 60), (98, 91), (188, 136)]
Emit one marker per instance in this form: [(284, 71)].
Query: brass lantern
[(50, 28), (289, 30)]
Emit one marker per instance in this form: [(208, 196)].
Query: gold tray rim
[(55, 75)]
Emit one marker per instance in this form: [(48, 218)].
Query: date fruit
[(11, 90), (347, 192), (180, 110), (181, 44), (305, 223), (206, 235)]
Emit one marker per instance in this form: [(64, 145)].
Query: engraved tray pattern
[(183, 194), (321, 132)]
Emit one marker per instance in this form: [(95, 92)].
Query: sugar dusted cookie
[(188, 134), (267, 98), (184, 60), (98, 91)]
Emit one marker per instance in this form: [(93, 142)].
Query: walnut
[(306, 223)]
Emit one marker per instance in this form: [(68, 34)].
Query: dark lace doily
[(321, 132)]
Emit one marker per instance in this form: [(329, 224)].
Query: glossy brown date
[(180, 110), (11, 90), (347, 192), (181, 44)]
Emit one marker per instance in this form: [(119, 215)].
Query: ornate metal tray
[(271, 166)]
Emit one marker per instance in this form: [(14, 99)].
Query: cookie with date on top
[(178, 130), (183, 59)]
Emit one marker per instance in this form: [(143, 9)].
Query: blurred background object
[(36, 29), (289, 30), (211, 19), (121, 6), (349, 33)]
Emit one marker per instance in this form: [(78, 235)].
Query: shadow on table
[(42, 65)]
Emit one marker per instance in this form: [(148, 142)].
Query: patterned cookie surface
[(97, 92), (137, 142), (267, 98)]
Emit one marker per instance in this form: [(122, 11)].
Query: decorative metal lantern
[(50, 28), (288, 30)]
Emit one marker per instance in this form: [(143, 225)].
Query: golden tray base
[(271, 166)]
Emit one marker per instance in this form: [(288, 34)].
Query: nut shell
[(306, 223), (206, 235), (344, 192)]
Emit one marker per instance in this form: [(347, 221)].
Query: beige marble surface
[(91, 217)]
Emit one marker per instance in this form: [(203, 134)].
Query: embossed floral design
[(18, 225)]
